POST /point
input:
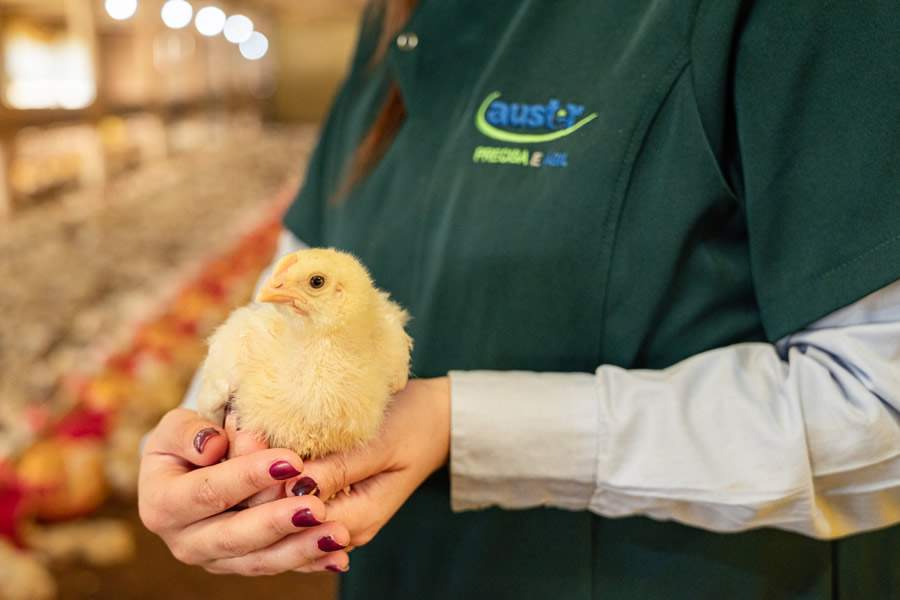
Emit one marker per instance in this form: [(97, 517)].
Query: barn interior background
[(147, 149)]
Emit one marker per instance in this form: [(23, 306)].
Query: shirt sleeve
[(817, 127), (802, 435)]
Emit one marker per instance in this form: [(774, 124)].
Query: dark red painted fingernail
[(337, 569), (305, 486), (328, 544), (203, 436), (304, 518), (283, 470)]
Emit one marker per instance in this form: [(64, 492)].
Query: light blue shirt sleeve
[(802, 435)]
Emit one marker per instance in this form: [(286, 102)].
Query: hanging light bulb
[(210, 21), (177, 14), (120, 10), (255, 47), (238, 29)]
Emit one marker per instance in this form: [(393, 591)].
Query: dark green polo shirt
[(624, 182)]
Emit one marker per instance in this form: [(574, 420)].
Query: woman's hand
[(414, 442), (185, 494)]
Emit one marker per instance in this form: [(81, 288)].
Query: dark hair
[(393, 15)]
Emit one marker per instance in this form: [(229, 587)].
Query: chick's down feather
[(312, 365)]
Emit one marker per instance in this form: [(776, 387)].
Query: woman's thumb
[(329, 475)]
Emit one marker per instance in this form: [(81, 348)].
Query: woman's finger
[(241, 442), (371, 503), (235, 534), (245, 442), (325, 542), (183, 434), (179, 443), (336, 562), (205, 492), (327, 476)]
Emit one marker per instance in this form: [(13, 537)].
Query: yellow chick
[(313, 364)]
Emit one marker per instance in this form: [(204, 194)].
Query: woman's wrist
[(437, 395)]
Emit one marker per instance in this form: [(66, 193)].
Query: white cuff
[(521, 439)]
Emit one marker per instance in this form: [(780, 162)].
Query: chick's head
[(327, 287)]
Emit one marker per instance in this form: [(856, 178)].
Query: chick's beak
[(273, 291)]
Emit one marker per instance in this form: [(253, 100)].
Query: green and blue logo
[(520, 123)]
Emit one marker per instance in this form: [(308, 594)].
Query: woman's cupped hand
[(198, 503), (189, 496), (368, 485)]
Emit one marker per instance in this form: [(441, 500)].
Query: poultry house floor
[(155, 575)]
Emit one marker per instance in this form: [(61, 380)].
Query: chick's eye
[(316, 282)]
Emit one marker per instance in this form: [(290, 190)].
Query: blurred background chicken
[(312, 365)]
